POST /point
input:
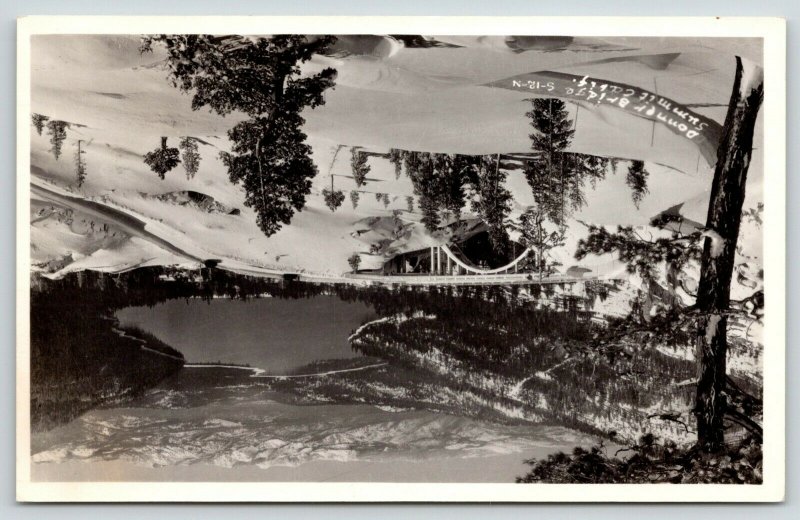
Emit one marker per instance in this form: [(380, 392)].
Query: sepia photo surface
[(400, 259)]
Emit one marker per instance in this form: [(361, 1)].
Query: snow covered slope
[(388, 95)]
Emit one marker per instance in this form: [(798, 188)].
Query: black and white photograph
[(400, 257)]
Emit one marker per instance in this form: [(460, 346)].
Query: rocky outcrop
[(197, 200)]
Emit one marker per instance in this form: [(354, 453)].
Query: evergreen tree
[(58, 133), (594, 167), (439, 182), (354, 260), (534, 234), (558, 178), (359, 166), (410, 203), (190, 157), (396, 158), (578, 168), (385, 200), (553, 131), (641, 256), (80, 165), (419, 167), (455, 172), (260, 77), (354, 196), (430, 213), (549, 173), (493, 203), (613, 162), (378, 197), (333, 197), (38, 122), (637, 181), (275, 185), (717, 263), (162, 159)]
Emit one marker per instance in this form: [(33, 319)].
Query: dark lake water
[(275, 334)]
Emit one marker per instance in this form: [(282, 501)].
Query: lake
[(275, 334), (218, 423)]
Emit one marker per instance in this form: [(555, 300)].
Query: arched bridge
[(452, 257), (451, 267)]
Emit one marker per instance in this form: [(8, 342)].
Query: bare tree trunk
[(722, 223), (540, 261)]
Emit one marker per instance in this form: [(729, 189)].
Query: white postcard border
[(772, 30)]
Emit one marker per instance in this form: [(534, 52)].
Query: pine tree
[(410, 204), (637, 181), (641, 256), (716, 267), (38, 122), (58, 133), (260, 77), (558, 178), (190, 157), (419, 166), (454, 171), (385, 200), (274, 186), (549, 174), (593, 167), (493, 203), (553, 131), (80, 165), (354, 196), (354, 260), (162, 159), (333, 198), (359, 166), (534, 235), (430, 213), (396, 157), (439, 182)]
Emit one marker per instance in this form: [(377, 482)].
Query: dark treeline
[(581, 388), (487, 307), (79, 358), (493, 331), (153, 285)]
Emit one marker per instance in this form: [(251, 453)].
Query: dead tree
[(719, 249)]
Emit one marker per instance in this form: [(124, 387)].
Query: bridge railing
[(467, 279)]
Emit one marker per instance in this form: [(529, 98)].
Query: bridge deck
[(469, 279)]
